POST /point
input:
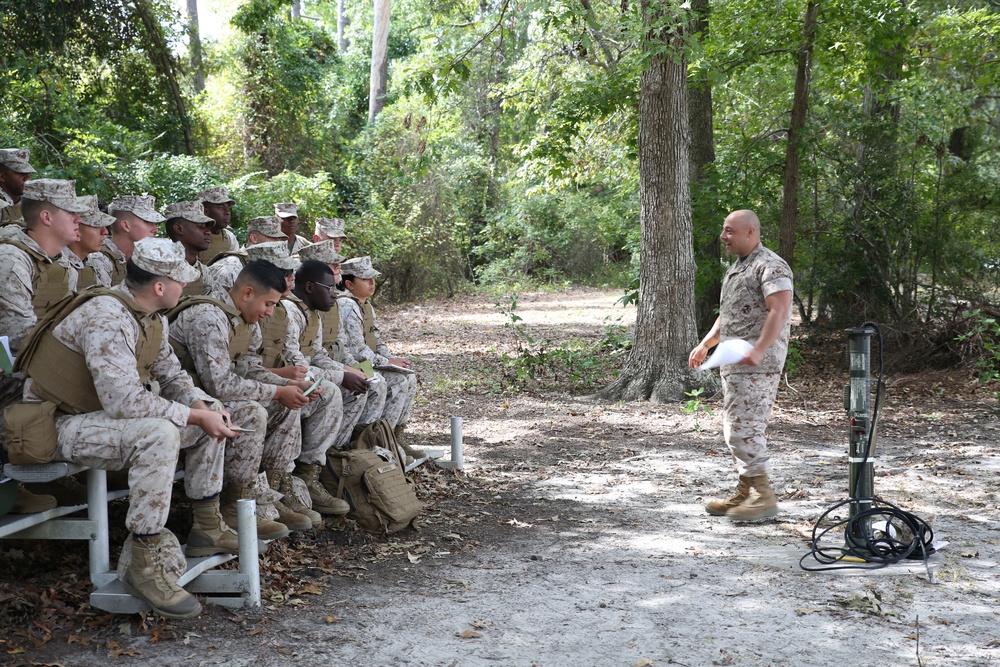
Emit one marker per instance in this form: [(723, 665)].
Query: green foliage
[(695, 406), (256, 194), (538, 363), (984, 337), (794, 360), (170, 178)]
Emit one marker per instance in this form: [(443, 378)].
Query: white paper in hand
[(727, 352)]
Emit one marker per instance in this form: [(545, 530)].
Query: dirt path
[(577, 535)]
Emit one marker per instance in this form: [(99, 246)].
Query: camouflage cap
[(275, 252), (216, 195), (16, 159), (95, 217), (286, 210), (359, 267), (141, 206), (192, 211), (332, 227), (55, 192), (268, 225), (163, 257), (322, 251)]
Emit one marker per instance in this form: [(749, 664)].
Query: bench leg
[(97, 512), (246, 517)]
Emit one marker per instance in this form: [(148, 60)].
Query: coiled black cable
[(881, 548)]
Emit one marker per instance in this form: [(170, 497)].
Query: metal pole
[(857, 402), (246, 520), (456, 443)]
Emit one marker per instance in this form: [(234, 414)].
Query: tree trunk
[(380, 59), (194, 46), (296, 9), (159, 53), (342, 22), (706, 215), (665, 328), (796, 127)]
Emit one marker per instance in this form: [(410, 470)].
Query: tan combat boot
[(322, 501), (266, 529), (410, 451), (209, 533), (295, 519), (29, 503), (147, 579), (759, 505), (720, 507)]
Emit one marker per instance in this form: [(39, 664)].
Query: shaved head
[(741, 232), (745, 219)]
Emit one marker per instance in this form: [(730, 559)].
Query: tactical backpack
[(370, 478)]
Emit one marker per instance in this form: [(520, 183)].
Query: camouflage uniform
[(106, 262), (400, 388), (136, 429), (204, 330), (224, 241), (299, 243), (17, 314), (221, 275), (320, 364), (199, 286), (749, 391)]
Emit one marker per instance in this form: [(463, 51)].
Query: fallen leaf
[(331, 619), (802, 611), (413, 559), (470, 634), (643, 662)]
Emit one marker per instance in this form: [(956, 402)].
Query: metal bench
[(231, 588)]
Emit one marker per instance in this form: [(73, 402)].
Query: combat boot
[(147, 579), (67, 491), (29, 503), (209, 533), (266, 529), (295, 519), (720, 507), (760, 504), (322, 501), (410, 451)]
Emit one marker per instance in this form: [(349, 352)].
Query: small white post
[(246, 518), (456, 443)]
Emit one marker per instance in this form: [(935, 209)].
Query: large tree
[(665, 323), (380, 58)]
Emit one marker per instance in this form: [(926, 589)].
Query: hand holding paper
[(727, 352)]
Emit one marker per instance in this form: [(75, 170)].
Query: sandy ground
[(577, 535)]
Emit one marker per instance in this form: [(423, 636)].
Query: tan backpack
[(370, 478)]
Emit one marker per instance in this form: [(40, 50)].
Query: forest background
[(866, 134)]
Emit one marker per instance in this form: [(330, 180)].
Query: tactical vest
[(330, 325), (118, 267), (244, 258), (239, 332), (50, 282), (196, 288), (220, 244), (60, 374), (85, 277), (367, 323), (273, 331), (11, 215), (311, 332)]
